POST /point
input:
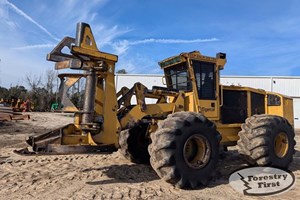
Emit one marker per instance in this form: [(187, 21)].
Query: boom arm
[(89, 129), (99, 124)]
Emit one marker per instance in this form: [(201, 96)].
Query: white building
[(287, 85)]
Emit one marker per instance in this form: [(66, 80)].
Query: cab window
[(206, 79), (178, 78)]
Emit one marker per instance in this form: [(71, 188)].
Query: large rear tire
[(184, 149), (134, 144), (267, 140)]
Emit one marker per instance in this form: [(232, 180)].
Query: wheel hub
[(281, 145), (197, 151)]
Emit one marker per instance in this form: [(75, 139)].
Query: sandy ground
[(101, 176)]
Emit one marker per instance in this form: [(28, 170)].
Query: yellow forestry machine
[(180, 135)]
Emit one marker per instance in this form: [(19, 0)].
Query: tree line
[(41, 91)]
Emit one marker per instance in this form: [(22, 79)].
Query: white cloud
[(23, 14), (122, 46), (172, 41), (106, 35), (81, 11), (12, 25), (15, 65), (3, 12), (36, 46), (4, 16), (138, 63)]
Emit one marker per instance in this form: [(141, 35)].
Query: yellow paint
[(281, 144), (99, 101), (288, 111), (229, 132), (88, 41), (69, 109), (190, 102), (71, 135), (106, 104), (285, 109), (95, 54), (111, 125)]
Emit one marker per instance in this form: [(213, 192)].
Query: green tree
[(41, 93), (17, 92), (4, 93), (121, 71)]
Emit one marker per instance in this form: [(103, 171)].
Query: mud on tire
[(267, 140), (134, 144), (172, 154)]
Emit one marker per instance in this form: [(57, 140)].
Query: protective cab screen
[(205, 78), (274, 100), (178, 78)]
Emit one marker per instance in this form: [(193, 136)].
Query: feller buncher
[(180, 135)]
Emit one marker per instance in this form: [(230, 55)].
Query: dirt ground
[(101, 176)]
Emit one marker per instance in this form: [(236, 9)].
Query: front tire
[(267, 140), (134, 144), (184, 149)]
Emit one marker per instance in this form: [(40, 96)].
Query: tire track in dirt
[(97, 177), (47, 176), (106, 176)]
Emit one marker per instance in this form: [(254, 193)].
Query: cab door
[(206, 76)]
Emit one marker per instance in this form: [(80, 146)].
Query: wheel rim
[(196, 151), (281, 145)]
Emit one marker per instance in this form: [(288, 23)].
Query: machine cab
[(198, 76)]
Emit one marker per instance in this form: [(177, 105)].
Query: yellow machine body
[(107, 112), (214, 108), (180, 135)]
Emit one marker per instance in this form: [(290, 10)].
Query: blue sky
[(260, 37)]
